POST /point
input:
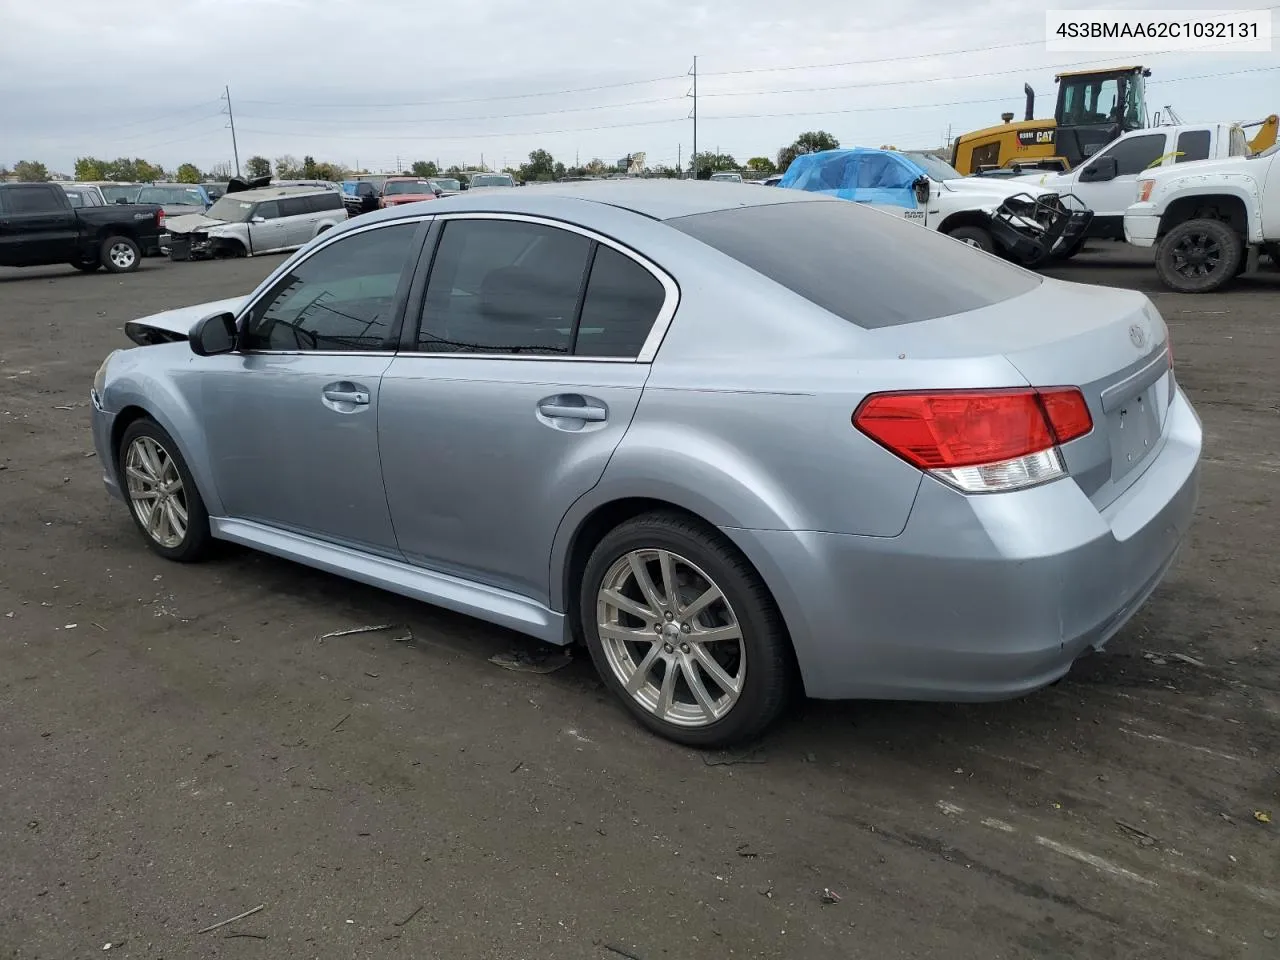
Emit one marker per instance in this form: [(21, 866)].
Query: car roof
[(652, 198), (272, 193)]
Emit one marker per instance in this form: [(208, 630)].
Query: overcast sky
[(378, 81)]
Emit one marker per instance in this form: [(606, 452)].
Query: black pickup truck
[(38, 227)]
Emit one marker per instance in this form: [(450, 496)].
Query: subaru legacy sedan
[(726, 438)]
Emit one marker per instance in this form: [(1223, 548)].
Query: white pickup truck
[(1209, 221), (1108, 181)]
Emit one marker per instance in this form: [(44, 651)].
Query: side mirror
[(465, 186), (258, 220), (122, 200), (1102, 169), (214, 335), (922, 189)]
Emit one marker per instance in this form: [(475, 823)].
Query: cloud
[(383, 81)]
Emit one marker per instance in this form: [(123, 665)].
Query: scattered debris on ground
[(545, 659)]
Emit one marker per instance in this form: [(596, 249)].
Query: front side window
[(503, 286), (1136, 154), (268, 210), (339, 299)]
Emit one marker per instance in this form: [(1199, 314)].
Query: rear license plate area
[(1134, 429)]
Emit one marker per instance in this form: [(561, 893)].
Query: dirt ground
[(177, 747)]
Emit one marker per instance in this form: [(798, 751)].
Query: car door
[(1108, 197), (37, 225), (512, 392), (296, 220), (291, 417), (885, 182), (267, 229)]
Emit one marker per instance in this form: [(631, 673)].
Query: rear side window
[(33, 198), (329, 200), (294, 206), (1192, 145), (623, 300), (867, 267)]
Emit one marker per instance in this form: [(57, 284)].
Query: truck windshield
[(114, 193), (492, 180), (935, 168), (414, 187), (231, 210)]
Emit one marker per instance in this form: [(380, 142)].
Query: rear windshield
[(870, 268)]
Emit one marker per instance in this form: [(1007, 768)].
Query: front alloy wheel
[(671, 638), (162, 496), (156, 492)]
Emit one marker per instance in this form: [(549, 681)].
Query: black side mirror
[(214, 335), (1102, 169)]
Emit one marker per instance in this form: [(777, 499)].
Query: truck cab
[(1107, 181)]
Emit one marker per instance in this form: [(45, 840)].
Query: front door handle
[(567, 411), (347, 396)]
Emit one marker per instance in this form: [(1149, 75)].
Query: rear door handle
[(566, 411), (347, 396)]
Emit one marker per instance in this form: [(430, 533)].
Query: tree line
[(541, 166)]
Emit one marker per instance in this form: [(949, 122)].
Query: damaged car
[(252, 222), (1016, 220)]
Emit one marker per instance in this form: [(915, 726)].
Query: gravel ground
[(178, 747)]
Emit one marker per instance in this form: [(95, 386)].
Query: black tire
[(197, 541), (974, 237), (85, 266), (119, 255), (767, 658), (1199, 256)]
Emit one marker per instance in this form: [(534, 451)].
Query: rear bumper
[(980, 597), (1141, 225)]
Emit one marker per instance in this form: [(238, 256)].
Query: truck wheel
[(120, 255), (86, 266), (974, 237), (1198, 256)]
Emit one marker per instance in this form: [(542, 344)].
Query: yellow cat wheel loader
[(1094, 107)]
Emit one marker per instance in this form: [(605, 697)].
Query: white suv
[(244, 224)]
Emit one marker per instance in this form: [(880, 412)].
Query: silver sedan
[(737, 442)]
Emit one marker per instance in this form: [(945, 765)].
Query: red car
[(398, 190)]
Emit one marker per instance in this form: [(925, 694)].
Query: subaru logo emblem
[(1137, 335)]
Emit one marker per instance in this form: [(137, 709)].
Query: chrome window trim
[(657, 332), (291, 263)]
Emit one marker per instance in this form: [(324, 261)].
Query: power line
[(474, 136), (507, 96), (499, 116)]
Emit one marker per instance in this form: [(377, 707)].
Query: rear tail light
[(160, 218), (979, 441)]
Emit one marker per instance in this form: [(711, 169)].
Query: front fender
[(1209, 185), (133, 383)]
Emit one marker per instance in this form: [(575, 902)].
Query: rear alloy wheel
[(974, 237), (120, 255), (162, 496), (1199, 256), (684, 632)]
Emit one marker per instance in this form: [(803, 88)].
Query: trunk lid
[(1112, 344)]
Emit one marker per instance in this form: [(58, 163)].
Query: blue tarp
[(870, 176)]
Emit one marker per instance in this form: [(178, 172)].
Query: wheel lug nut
[(669, 615), (684, 648), (684, 628), (668, 648), (657, 628)]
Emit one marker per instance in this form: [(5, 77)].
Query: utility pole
[(679, 158), (235, 150), (693, 165)]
